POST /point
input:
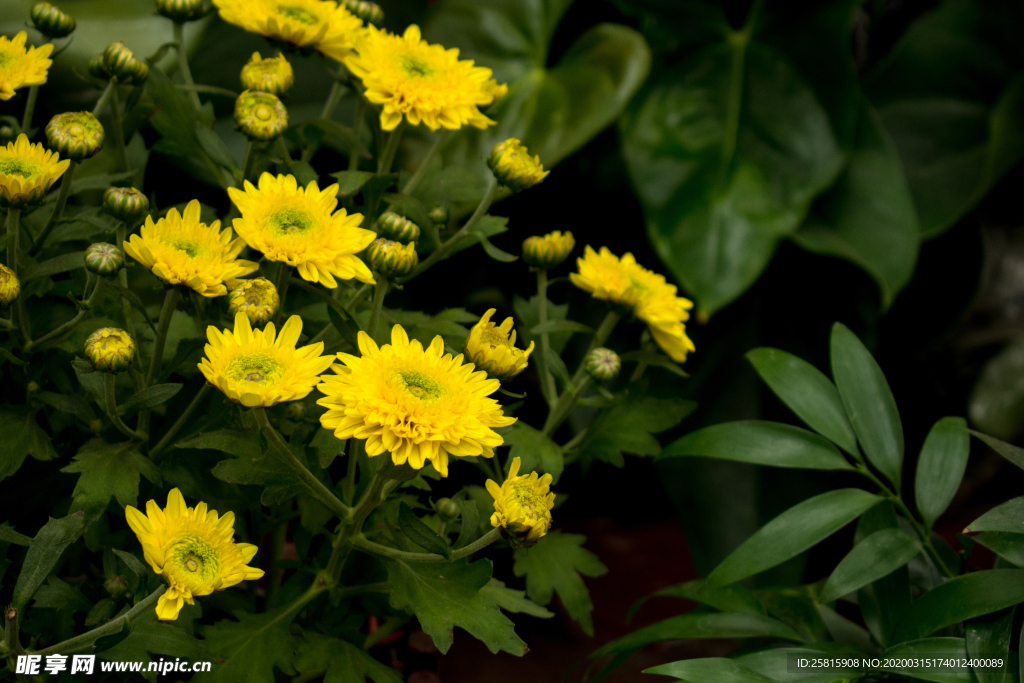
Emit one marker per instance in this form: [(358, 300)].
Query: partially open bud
[(273, 75), (438, 215), (50, 21), (260, 115), (76, 135), (522, 505), (514, 167), (119, 61), (257, 298), (10, 286), (547, 251), (103, 259), (603, 364), (180, 11), (392, 259), (125, 204), (447, 509), (398, 228), (369, 12), (110, 349), (492, 348)]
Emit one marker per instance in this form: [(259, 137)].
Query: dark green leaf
[(11, 357), (149, 398), (350, 182), (150, 636), (470, 523), (57, 594), (22, 438), (339, 662), (512, 600), (345, 326), (561, 326), (239, 444), (134, 300), (959, 599), (629, 426), (68, 403), (774, 663), (495, 253), (335, 136), (1007, 545), (869, 402), (411, 208), (1008, 516), (987, 638), (43, 554), (90, 380), (883, 602), (104, 643), (536, 450), (187, 348), (9, 535), (731, 598), (709, 670), (140, 570), (327, 447), (215, 147), (528, 314), (763, 443), (419, 533), (940, 467), (268, 471), (997, 401), (930, 648), (793, 532), (108, 470), (1014, 454), (555, 564), (252, 646), (58, 264), (100, 181), (878, 555)]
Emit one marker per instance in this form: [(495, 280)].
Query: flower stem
[(110, 398), (13, 231), (547, 380), (58, 208), (414, 181), (12, 639), (370, 500), (286, 156), (348, 487), (379, 292), (166, 313), (33, 343), (378, 549), (387, 157), (581, 380), (357, 297), (284, 274), (86, 640), (248, 158), (104, 97), (167, 438), (30, 108), (316, 487), (115, 114), (186, 73), (126, 306)]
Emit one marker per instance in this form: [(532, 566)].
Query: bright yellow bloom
[(273, 74), (192, 548), (257, 298), (10, 285), (110, 349), (318, 24), (21, 67), (522, 505), (180, 249), (300, 228), (492, 350), (514, 167), (628, 284), (418, 404), (547, 251), (261, 367), (27, 171), (423, 82)]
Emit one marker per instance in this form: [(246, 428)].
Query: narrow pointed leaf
[(878, 555), (763, 443), (941, 467)]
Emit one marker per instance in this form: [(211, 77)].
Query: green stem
[(357, 297), (115, 114), (316, 487), (378, 549), (370, 500), (33, 343), (182, 420), (122, 278), (58, 208), (414, 181), (348, 487), (86, 640), (164, 324), (392, 624), (387, 157), (286, 156), (284, 274), (443, 250), (547, 380), (104, 97), (276, 573), (12, 638), (248, 158), (319, 336), (186, 73), (379, 292), (30, 108), (738, 42), (13, 232), (110, 398)]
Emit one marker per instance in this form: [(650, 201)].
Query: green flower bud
[(398, 228), (392, 259), (103, 259), (369, 12), (110, 349), (438, 215), (10, 286), (180, 11), (296, 411), (97, 69), (260, 115), (273, 75), (603, 364), (447, 509), (74, 135), (96, 426), (6, 134), (116, 585), (125, 203), (514, 167), (50, 21), (33, 388), (547, 251), (119, 61)]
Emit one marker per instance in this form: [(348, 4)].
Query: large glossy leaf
[(878, 555), (760, 442), (930, 648), (727, 151), (793, 532), (940, 468), (964, 597), (709, 670), (869, 402)]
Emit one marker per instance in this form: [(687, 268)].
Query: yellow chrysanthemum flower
[(492, 350), (522, 505), (321, 25), (110, 349), (418, 404), (421, 81), (10, 285), (273, 74), (547, 251), (261, 367), (21, 67), (299, 227), (192, 548), (630, 285), (180, 249), (513, 166), (27, 171)]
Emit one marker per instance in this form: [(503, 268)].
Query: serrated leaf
[(339, 661), (629, 426), (9, 535), (149, 636), (68, 403), (108, 470), (419, 533), (43, 554), (238, 444), (149, 398), (268, 471), (350, 182), (536, 451), (512, 600), (57, 594), (252, 647), (22, 438), (470, 523)]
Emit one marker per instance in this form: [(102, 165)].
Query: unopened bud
[(514, 167), (398, 228), (121, 62), (103, 259), (392, 259), (603, 364), (260, 115), (110, 349), (116, 585), (50, 21), (125, 203), (257, 298), (369, 12), (438, 215), (547, 251), (74, 135), (10, 285), (180, 11), (447, 509)]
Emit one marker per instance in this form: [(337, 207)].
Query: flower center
[(263, 112), (252, 301), (528, 500), (197, 559), (76, 130), (419, 386), (255, 368), (192, 249), (291, 221), (22, 169), (298, 13), (495, 340), (6, 58), (416, 68)]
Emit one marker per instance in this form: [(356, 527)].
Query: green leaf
[(1014, 454), (700, 625), (68, 403), (108, 470), (470, 523), (629, 426), (149, 398), (774, 663), (339, 661), (557, 563), (793, 532), (1007, 545), (43, 554), (58, 264), (569, 326), (350, 182), (333, 135), (720, 191), (996, 405), (238, 444), (140, 570), (214, 146), (989, 637), (731, 598), (1008, 516), (883, 602), (878, 555), (252, 647), (446, 595), (327, 447), (869, 402), (22, 438), (11, 357), (411, 208), (495, 253), (149, 636), (808, 393), (57, 594), (940, 467), (709, 670), (654, 359), (277, 479), (346, 326), (930, 648), (512, 600), (959, 599), (99, 181), (536, 450), (762, 443), (9, 535), (528, 314), (419, 533)]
